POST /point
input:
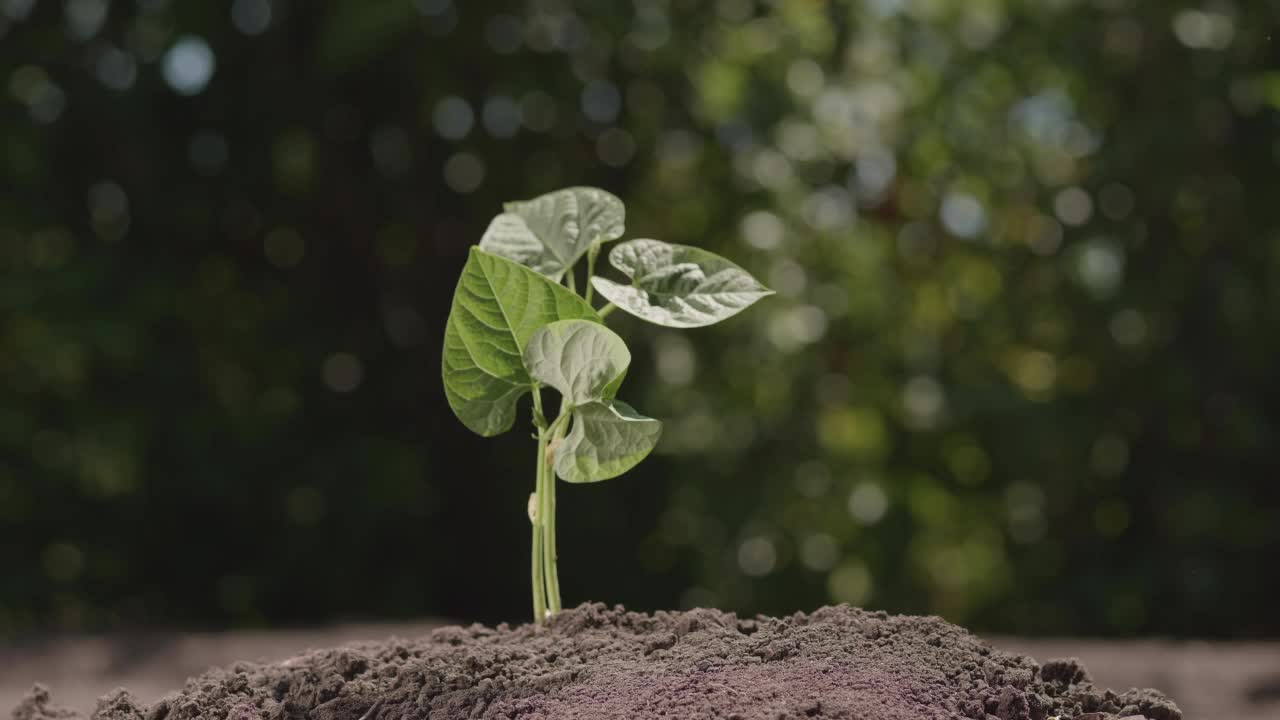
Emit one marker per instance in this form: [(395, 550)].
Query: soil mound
[(596, 663)]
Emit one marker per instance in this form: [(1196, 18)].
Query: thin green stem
[(550, 575), (570, 281), (551, 570), (607, 309), (591, 270), (536, 520), (535, 512), (539, 419), (559, 424)]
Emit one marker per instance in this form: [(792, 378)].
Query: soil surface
[(596, 663)]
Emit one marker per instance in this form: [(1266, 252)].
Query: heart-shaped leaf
[(678, 286), (551, 232), (508, 236), (606, 440), (584, 360), (497, 307)]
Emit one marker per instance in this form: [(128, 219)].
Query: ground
[(1208, 680)]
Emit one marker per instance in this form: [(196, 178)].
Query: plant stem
[(536, 514), (591, 270), (607, 309), (547, 510), (570, 281), (539, 582)]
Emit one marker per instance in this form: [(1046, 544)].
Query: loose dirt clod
[(596, 663)]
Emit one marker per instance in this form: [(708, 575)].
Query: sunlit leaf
[(606, 440), (497, 307), (552, 232), (508, 236), (678, 286), (584, 360)]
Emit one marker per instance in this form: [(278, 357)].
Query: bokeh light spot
[(538, 111), (433, 8), (615, 147), (923, 401), (788, 278), (1204, 30), (464, 172), (17, 9), (44, 99), (797, 326), (829, 208), (189, 65), (851, 583), (874, 170), (1110, 455), (762, 230), (805, 77), (1034, 371), (504, 33), (251, 17), (1100, 267), (453, 118), (1116, 201), (63, 561), (813, 478), (284, 247), (342, 372), (501, 116), (757, 556), (1025, 506), (675, 360), (1044, 235), (819, 552), (84, 18), (853, 431), (1073, 206), (962, 215), (116, 69), (868, 503), (601, 101), (1128, 327), (109, 210)]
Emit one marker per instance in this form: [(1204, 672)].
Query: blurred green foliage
[(1019, 372)]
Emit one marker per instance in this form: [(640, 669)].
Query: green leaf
[(585, 361), (678, 286), (606, 440), (508, 236), (497, 307), (551, 232)]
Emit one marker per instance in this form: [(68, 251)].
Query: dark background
[(1020, 371)]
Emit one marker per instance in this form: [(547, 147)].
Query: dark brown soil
[(593, 663)]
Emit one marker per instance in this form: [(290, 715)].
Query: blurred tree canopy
[(1019, 372)]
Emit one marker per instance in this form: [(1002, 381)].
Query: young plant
[(518, 325)]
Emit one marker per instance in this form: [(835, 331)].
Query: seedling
[(518, 325)]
